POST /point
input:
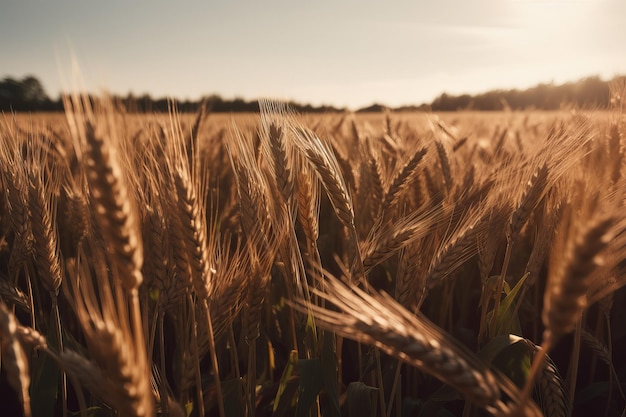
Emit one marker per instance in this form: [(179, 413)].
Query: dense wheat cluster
[(337, 265)]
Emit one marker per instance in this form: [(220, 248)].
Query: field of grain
[(277, 264)]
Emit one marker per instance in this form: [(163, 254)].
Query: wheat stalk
[(42, 209)]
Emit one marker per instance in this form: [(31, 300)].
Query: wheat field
[(278, 264)]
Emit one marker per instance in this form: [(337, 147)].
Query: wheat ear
[(568, 284), (325, 164), (276, 147), (158, 268), (113, 332), (198, 241), (445, 165), (42, 190), (43, 222), (12, 295), (385, 240), (616, 152), (455, 250), (370, 189), (14, 177), (409, 280), (115, 215), (565, 296), (550, 387), (308, 199), (403, 177), (14, 361)]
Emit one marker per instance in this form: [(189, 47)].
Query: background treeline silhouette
[(28, 94), (590, 92)]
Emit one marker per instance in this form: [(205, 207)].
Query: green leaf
[(515, 362), (359, 398), (311, 383), (511, 354), (506, 319), (188, 408), (287, 387), (497, 345), (311, 334)]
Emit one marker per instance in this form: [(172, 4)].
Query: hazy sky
[(347, 53)]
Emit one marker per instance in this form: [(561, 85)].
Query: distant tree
[(374, 108), (23, 95), (33, 91), (443, 103), (11, 96), (593, 92)]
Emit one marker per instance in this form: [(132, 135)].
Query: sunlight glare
[(551, 15)]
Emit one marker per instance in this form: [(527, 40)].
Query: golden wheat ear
[(323, 161), (14, 180), (117, 354), (14, 360), (308, 199), (43, 187), (276, 146), (400, 181), (113, 206), (571, 277), (385, 240)]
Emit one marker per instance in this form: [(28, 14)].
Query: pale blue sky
[(347, 53)]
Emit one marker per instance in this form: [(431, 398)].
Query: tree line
[(28, 94), (588, 93)]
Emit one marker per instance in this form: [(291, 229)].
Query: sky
[(345, 53)]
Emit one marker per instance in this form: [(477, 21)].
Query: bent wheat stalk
[(380, 321)]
